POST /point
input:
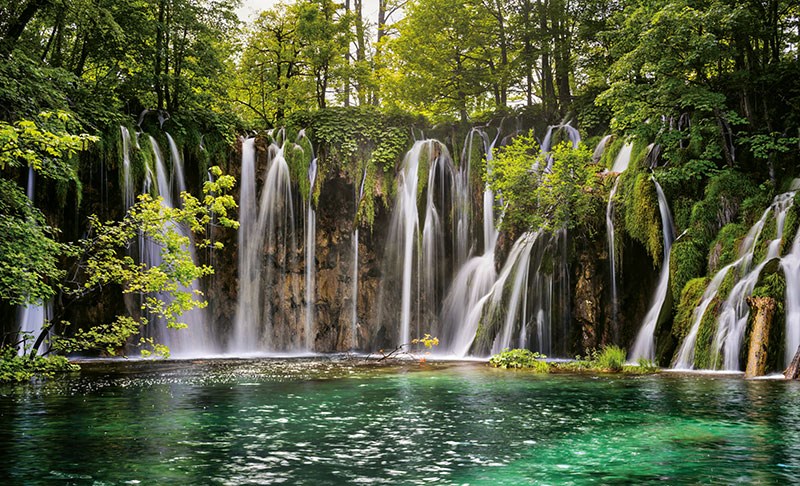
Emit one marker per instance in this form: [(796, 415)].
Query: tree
[(437, 63)]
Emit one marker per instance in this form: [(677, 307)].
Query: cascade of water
[(686, 353), (177, 180), (32, 317), (572, 134), (311, 252), (612, 255), (623, 158), (196, 339), (600, 149), (354, 315), (259, 224), (474, 279), (644, 346), (405, 228), (127, 180), (791, 269), (735, 311)]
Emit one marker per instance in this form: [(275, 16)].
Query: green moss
[(689, 300), (768, 233), (687, 261), (772, 283), (351, 140), (725, 248), (682, 207), (642, 220), (790, 226), (705, 356)]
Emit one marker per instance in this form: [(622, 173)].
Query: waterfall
[(354, 314), (311, 256), (33, 316), (623, 158), (572, 134), (127, 180), (405, 230), (176, 177), (644, 346), (735, 311), (612, 255), (686, 353), (267, 221), (685, 358), (600, 149), (621, 162), (462, 307), (791, 269), (196, 339)]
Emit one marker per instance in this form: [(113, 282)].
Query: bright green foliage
[(689, 300), (570, 196), (45, 144), (29, 252), (165, 287), (14, 368), (520, 358)]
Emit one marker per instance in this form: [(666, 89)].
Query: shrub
[(15, 368), (520, 358)]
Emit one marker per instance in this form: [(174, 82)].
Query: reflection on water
[(335, 421)]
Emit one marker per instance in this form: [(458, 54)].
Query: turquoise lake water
[(329, 421)]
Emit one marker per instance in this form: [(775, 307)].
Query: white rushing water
[(644, 346), (405, 229), (354, 290), (623, 158), (311, 256), (260, 221), (32, 318), (734, 312), (196, 339)]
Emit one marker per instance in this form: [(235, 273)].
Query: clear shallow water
[(330, 422)]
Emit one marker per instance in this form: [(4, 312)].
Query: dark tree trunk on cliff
[(793, 371), (16, 26)]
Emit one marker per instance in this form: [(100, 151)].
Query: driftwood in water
[(764, 311)]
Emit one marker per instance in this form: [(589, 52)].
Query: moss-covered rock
[(705, 356), (690, 298), (642, 220), (725, 247), (687, 261)]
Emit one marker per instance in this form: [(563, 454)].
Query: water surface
[(312, 421)]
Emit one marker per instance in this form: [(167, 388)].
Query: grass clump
[(610, 358), (520, 359)]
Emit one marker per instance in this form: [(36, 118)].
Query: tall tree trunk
[(348, 61), (548, 90), (157, 65), (361, 50), (17, 26)]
